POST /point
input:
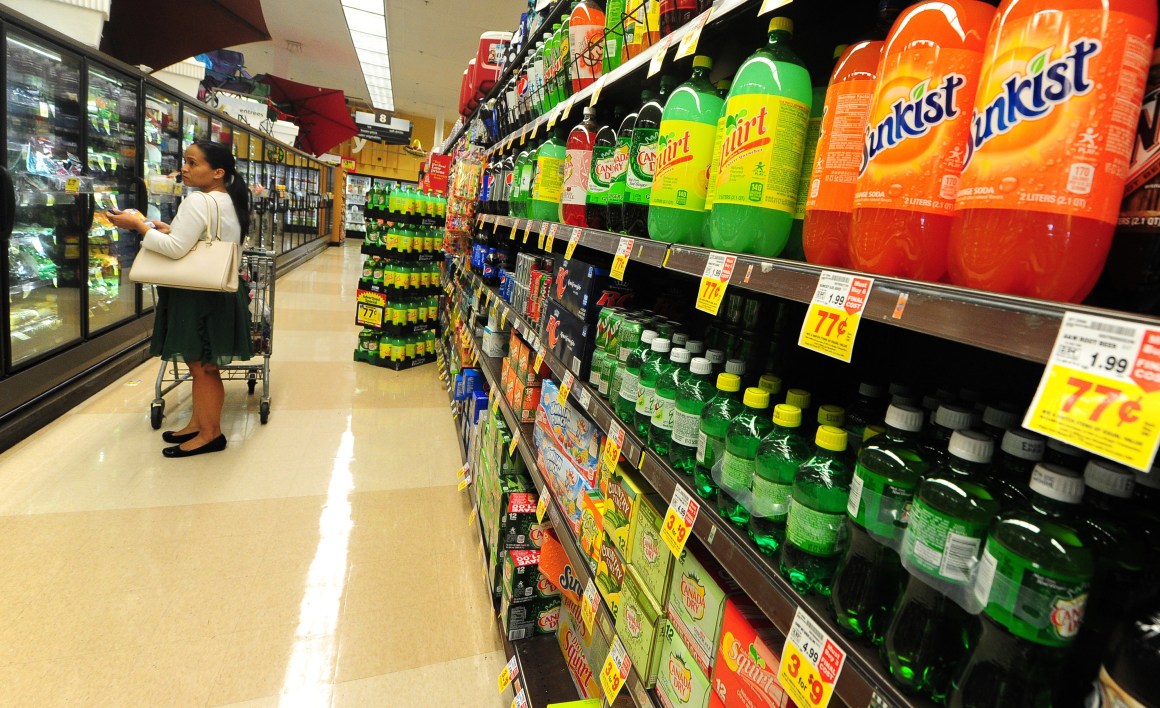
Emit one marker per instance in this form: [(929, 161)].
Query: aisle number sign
[(810, 663), (612, 445), (679, 520), (714, 280), (688, 45), (832, 320), (620, 260), (573, 241), (565, 387), (370, 309), (615, 670), (510, 671), (589, 604), (1100, 390)]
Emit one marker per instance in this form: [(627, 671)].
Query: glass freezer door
[(162, 163), (45, 262), (112, 164), (194, 126)]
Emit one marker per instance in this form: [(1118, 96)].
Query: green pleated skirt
[(202, 326)]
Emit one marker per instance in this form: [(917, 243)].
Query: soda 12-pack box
[(745, 673), (583, 289), (610, 572), (641, 626), (680, 681), (584, 656), (696, 604), (571, 431), (651, 558), (568, 337), (525, 619), (623, 491)]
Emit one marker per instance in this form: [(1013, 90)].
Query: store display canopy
[(205, 25), (321, 113)]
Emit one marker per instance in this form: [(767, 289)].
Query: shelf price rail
[(863, 681)]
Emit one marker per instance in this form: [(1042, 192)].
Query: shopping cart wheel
[(156, 414), (252, 382), (264, 411)]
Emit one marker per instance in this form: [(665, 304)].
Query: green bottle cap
[(781, 24), (831, 415), (787, 416), (1109, 478), (798, 397), (728, 382), (770, 383), (831, 438), (756, 398), (702, 62)]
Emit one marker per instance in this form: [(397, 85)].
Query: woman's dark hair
[(220, 157)]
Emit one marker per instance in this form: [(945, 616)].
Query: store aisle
[(322, 559)]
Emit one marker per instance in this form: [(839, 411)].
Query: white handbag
[(212, 264)]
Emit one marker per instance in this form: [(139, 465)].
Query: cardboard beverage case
[(680, 681), (522, 620), (521, 573), (650, 557), (745, 673), (696, 604), (642, 628), (518, 529), (568, 337), (583, 289), (581, 654), (623, 490), (610, 574), (592, 528), (567, 483), (571, 430)]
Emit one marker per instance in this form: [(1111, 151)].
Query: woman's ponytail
[(220, 157)]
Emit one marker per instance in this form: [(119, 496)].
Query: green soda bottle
[(621, 155), (946, 420), (525, 168), (642, 158), (715, 419), (1021, 450), (627, 339), (998, 418), (377, 271), (613, 34), (779, 455), (931, 633), (715, 162), (867, 409), (1064, 455), (692, 397), (548, 179), (740, 462), (1033, 582), (815, 529), (628, 377), (688, 127), (766, 118), (660, 431), (368, 268), (870, 576), (654, 364), (833, 416)]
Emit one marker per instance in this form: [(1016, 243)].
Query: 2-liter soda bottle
[(715, 420), (548, 179), (740, 462), (619, 175), (692, 397), (576, 168), (779, 455), (603, 171), (642, 161)]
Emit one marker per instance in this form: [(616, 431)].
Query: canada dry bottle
[(619, 176), (947, 420), (642, 161), (779, 455), (629, 378), (660, 431), (1019, 452), (603, 171), (692, 397), (715, 420), (998, 418), (740, 462), (816, 533), (653, 365), (867, 409), (1132, 663), (1033, 581)]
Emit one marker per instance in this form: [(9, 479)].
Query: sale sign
[(835, 311)]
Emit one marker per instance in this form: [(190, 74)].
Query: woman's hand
[(160, 226)]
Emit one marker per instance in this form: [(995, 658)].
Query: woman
[(204, 329)]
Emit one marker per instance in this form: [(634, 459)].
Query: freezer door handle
[(8, 212)]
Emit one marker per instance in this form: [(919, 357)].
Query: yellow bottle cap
[(787, 416), (702, 62), (783, 24), (770, 383), (798, 397), (871, 431), (832, 415), (728, 382), (756, 398), (723, 84), (831, 438)]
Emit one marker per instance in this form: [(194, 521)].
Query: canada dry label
[(813, 531), (771, 499), (755, 169), (1065, 97), (620, 174), (549, 182), (603, 172), (879, 505), (642, 165), (839, 154), (941, 545), (684, 149), (577, 164)]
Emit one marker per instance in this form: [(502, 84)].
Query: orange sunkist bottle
[(1052, 133), (916, 138)]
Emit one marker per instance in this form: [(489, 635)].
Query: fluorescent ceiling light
[(367, 22)]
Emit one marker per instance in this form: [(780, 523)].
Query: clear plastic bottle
[(946, 421), (660, 431), (715, 420), (629, 377), (779, 455), (654, 364), (740, 462), (998, 418), (692, 397), (867, 409)]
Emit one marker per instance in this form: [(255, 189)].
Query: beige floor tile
[(261, 662), (450, 684)]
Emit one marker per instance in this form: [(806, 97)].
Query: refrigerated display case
[(354, 199)]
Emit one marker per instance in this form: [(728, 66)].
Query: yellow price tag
[(72, 185), (714, 281), (573, 241), (521, 700), (688, 45), (679, 520), (535, 129), (462, 472), (810, 663), (565, 387), (539, 360), (551, 239), (832, 320), (612, 444), (527, 230), (523, 137), (510, 671), (615, 670), (1099, 389), (514, 444), (596, 89), (472, 517), (552, 118), (495, 404), (589, 604), (540, 237), (771, 5), (658, 59), (542, 504), (463, 484), (567, 107), (503, 319), (512, 234), (620, 260)]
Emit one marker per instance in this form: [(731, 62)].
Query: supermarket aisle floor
[(322, 559)]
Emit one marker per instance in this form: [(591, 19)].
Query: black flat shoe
[(216, 445), (177, 438)]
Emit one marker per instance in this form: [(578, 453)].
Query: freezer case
[(162, 162)]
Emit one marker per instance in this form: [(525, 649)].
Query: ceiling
[(430, 44)]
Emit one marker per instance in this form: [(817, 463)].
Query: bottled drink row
[(398, 276), (406, 201), (935, 151), (402, 237), (375, 347)]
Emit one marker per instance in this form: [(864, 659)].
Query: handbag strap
[(218, 235)]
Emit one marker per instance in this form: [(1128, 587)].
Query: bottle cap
[(770, 383), (680, 339), (839, 49), (869, 390), (723, 85), (695, 347), (898, 388), (728, 382), (1023, 444), (953, 417), (1058, 483), (735, 366), (1064, 449), (679, 355), (1150, 479), (660, 344), (702, 62), (798, 397), (1109, 478), (647, 336), (903, 417), (589, 112), (831, 438), (901, 399), (930, 403), (783, 24), (872, 430), (756, 398), (787, 416), (715, 356), (700, 365), (971, 446), (1001, 416), (830, 414)]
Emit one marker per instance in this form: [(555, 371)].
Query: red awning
[(322, 115), (158, 34)]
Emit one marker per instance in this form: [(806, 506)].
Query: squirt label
[(682, 179), (754, 168), (1055, 116), (915, 142)]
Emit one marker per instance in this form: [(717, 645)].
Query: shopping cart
[(258, 273)]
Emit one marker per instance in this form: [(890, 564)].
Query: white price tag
[(810, 663)]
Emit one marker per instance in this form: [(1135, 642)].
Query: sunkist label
[(642, 165), (753, 168), (577, 165), (1070, 107), (683, 151), (916, 139), (837, 161)]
